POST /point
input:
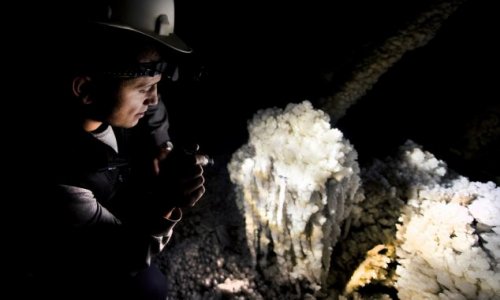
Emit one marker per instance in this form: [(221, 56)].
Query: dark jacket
[(93, 213)]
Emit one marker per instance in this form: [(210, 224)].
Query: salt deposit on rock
[(297, 181)]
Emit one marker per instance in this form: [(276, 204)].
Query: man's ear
[(81, 87)]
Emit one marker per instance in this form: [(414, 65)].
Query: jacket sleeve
[(99, 236)]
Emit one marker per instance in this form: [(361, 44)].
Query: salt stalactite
[(366, 73), (297, 181)]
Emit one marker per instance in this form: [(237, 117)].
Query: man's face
[(134, 96)]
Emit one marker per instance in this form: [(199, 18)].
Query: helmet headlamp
[(143, 69)]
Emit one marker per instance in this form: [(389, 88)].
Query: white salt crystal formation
[(387, 185), (446, 232), (297, 181), (449, 238)]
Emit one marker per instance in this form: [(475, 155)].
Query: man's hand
[(191, 180), (161, 155), (180, 179)]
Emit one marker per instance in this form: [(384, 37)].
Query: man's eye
[(147, 89)]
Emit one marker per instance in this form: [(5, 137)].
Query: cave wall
[(252, 56)]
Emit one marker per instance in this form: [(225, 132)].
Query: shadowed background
[(249, 56)]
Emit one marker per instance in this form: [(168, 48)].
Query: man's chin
[(126, 125)]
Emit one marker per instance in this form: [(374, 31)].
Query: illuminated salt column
[(297, 181)]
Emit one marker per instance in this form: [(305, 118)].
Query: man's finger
[(204, 160)]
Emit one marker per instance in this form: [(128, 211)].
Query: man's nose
[(152, 98)]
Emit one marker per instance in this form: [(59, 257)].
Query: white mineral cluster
[(449, 238), (447, 233), (297, 181), (444, 227)]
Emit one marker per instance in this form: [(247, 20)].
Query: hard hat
[(150, 18)]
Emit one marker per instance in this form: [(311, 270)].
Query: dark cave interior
[(252, 57)]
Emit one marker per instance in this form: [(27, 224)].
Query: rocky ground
[(207, 257)]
